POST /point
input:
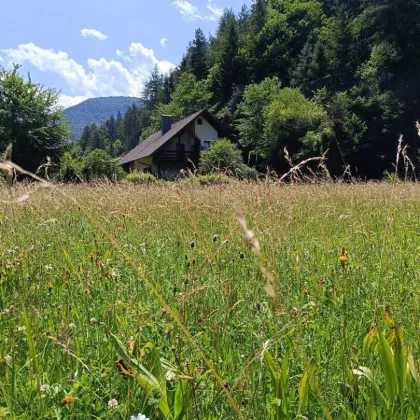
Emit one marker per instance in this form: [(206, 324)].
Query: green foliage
[(98, 165), (188, 97), (70, 169), (251, 111), (113, 269), (222, 156), (348, 57), (296, 123), (136, 177), (30, 120)]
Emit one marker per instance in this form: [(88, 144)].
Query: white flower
[(22, 328), (72, 326), (139, 417), (44, 389), (170, 376), (112, 404), (49, 267)]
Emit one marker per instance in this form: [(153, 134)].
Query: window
[(199, 121), (206, 144)]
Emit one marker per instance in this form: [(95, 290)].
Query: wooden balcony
[(174, 156)]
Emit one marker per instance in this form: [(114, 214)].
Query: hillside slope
[(96, 110)]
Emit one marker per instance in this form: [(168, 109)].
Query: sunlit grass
[(152, 263)]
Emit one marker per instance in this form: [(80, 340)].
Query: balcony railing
[(174, 155)]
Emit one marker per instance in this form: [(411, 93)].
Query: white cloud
[(137, 48), (216, 12), (191, 13), (188, 11), (124, 57), (66, 101), (100, 77), (163, 42), (93, 33)]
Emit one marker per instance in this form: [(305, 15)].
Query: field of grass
[(117, 300)]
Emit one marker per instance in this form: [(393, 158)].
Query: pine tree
[(152, 88), (197, 55)]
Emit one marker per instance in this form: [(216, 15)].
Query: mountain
[(96, 110)]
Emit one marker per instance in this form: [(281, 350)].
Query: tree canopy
[(314, 76), (30, 121)]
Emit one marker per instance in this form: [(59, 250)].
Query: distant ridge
[(97, 110)]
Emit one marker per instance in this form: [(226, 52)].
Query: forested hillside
[(312, 76), (96, 111)]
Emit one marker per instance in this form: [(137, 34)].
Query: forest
[(333, 76)]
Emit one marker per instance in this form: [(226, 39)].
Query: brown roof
[(155, 141)]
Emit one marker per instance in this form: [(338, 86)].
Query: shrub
[(223, 156), (70, 169), (213, 179), (140, 178), (244, 172), (98, 164)]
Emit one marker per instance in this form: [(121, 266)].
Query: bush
[(244, 172), (223, 156), (70, 169), (209, 179), (98, 164), (140, 178)]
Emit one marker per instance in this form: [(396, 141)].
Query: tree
[(31, 120), (197, 55), (221, 156), (250, 121), (152, 88), (98, 164), (292, 121), (189, 96)]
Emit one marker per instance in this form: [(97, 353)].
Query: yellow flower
[(342, 259), (68, 399)]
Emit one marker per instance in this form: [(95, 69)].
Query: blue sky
[(91, 48)]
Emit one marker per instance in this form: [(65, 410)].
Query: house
[(168, 151)]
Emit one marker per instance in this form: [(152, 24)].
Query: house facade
[(166, 152)]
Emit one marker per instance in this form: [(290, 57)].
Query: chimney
[(166, 123)]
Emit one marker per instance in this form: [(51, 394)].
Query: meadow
[(242, 301)]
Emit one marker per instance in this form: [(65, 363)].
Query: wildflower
[(22, 328), (72, 326), (139, 417), (44, 389), (170, 376), (112, 404), (123, 368), (68, 399), (93, 321), (342, 259), (49, 267)]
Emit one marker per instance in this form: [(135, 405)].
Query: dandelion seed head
[(44, 389), (112, 404)]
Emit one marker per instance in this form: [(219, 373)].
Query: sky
[(92, 48)]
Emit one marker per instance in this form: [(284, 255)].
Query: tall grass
[(150, 296)]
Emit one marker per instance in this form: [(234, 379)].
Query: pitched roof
[(157, 140)]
